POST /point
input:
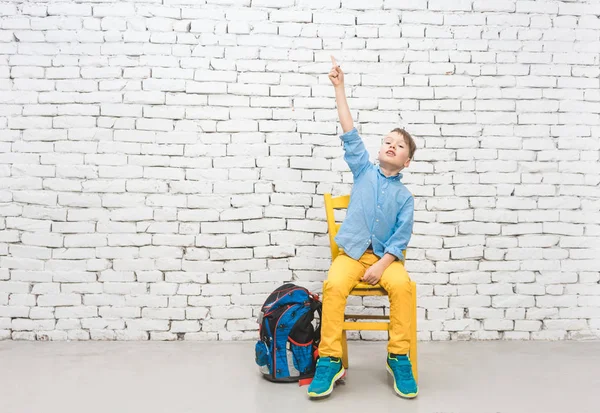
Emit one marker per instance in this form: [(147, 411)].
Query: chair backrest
[(331, 204)]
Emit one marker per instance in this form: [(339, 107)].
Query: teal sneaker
[(328, 371), (400, 368)]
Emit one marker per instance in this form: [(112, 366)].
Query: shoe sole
[(339, 376), (398, 392)]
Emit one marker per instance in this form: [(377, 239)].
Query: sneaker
[(328, 371), (400, 368)]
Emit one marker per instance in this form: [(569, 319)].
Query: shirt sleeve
[(355, 153), (404, 226)]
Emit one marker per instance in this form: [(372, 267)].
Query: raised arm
[(336, 75)]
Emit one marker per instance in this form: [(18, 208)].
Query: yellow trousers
[(345, 273)]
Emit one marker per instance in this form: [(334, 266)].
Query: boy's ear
[(407, 163)]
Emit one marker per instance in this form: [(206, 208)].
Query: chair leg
[(344, 349), (413, 333)]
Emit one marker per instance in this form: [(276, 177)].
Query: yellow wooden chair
[(364, 289)]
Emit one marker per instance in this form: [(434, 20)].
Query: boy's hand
[(336, 75), (373, 273)]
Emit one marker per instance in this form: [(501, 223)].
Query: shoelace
[(402, 371)]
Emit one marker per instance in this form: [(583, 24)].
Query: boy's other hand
[(336, 75), (373, 274)]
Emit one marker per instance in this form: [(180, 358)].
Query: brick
[(121, 10), (154, 325), (185, 326), (554, 325), (556, 301), (19, 324), (231, 312), (76, 312), (164, 313), (56, 300), (461, 325), (498, 325)]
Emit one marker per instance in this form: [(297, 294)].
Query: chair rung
[(365, 317), (373, 292), (367, 326)]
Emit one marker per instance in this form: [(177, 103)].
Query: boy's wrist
[(386, 260)]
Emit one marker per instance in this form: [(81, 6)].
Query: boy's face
[(393, 153)]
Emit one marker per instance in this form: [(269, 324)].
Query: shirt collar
[(394, 177)]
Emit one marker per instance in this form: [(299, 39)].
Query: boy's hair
[(408, 139)]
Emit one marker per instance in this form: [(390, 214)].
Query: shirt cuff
[(396, 252), (349, 136)]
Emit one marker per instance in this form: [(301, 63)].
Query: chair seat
[(366, 286), (363, 288)]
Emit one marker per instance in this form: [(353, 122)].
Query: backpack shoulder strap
[(316, 305)]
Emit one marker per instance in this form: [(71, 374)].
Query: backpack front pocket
[(303, 356)]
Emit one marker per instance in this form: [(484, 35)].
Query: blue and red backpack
[(287, 348)]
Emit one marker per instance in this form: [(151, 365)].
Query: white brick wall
[(162, 164)]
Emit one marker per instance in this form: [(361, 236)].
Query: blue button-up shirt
[(381, 208)]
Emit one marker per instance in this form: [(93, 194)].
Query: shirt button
[(376, 220)]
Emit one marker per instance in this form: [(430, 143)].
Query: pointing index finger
[(333, 61)]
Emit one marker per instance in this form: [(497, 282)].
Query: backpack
[(287, 348)]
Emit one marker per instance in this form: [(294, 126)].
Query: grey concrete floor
[(181, 377)]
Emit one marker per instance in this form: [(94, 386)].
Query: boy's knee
[(334, 287), (400, 284)]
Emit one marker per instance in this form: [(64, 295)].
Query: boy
[(376, 230)]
